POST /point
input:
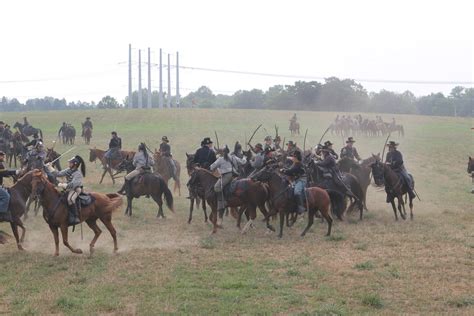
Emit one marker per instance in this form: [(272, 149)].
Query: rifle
[(217, 139)]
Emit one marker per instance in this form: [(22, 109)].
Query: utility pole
[(130, 101), (169, 82), (149, 80), (177, 79), (161, 81), (140, 101)]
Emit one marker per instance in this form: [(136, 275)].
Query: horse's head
[(470, 165), (189, 163), (266, 173), (38, 182), (92, 155), (17, 125), (125, 165), (378, 172)]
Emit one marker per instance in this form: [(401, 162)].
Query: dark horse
[(18, 150), (252, 195), (149, 184), (196, 193), (395, 187), (68, 134), (470, 170), (87, 134), (281, 198), (19, 194), (28, 130), (55, 211), (108, 166)]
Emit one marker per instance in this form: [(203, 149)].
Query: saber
[(327, 129), (304, 141), (62, 155), (254, 133), (385, 145), (217, 139)]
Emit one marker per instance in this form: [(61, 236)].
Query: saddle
[(236, 188), (85, 199), (143, 173)]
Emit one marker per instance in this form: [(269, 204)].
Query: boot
[(300, 202), (123, 189), (73, 215)]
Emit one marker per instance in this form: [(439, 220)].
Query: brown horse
[(87, 134), (162, 166), (252, 195), (395, 187), (294, 127), (17, 149), (100, 155), (280, 198), (19, 194), (470, 170), (196, 194), (55, 212)]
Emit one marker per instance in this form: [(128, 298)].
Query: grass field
[(424, 266)]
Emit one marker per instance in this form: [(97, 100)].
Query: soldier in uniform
[(35, 140), (4, 195), (291, 148), (5, 137), (165, 151), (35, 157), (205, 156), (349, 151), (115, 145), (394, 159), (258, 160), (268, 143), (62, 129), (142, 163), (73, 186), (277, 142), (328, 146), (86, 124), (228, 166), (298, 177)]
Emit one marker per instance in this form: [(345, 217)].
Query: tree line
[(332, 95)]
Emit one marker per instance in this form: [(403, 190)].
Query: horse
[(86, 134), (251, 194), (196, 194), (163, 167), (294, 127), (317, 199), (361, 171), (107, 165), (28, 130), (395, 187), (470, 170), (17, 149), (68, 134), (19, 194), (55, 212)]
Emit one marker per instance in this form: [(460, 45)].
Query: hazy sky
[(79, 49)]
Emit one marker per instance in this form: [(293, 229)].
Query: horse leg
[(111, 175), (204, 210), (159, 201), (93, 225), (411, 209), (191, 208), (23, 230), (392, 201), (282, 221), (239, 218), (311, 212), (103, 175), (107, 221), (55, 232), (324, 210), (213, 218), (64, 231), (14, 226), (266, 214), (401, 208)]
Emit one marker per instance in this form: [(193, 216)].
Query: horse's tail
[(337, 203), (114, 202), (167, 193)]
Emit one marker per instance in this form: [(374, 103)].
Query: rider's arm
[(76, 180)]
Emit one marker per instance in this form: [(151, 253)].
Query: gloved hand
[(62, 185), (17, 172), (49, 166)]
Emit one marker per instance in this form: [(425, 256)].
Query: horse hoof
[(78, 251), (270, 227), (20, 247), (56, 254)]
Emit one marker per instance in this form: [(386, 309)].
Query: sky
[(79, 49)]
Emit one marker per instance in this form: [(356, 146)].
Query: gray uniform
[(140, 162), (74, 180), (257, 161), (226, 168)]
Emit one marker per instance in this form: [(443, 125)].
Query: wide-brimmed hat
[(88, 118), (165, 139), (268, 138), (291, 143), (328, 143), (392, 144), (2, 153), (259, 146), (207, 141), (350, 140), (297, 155), (114, 133), (2, 122), (325, 148)]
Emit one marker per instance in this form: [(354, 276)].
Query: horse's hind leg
[(55, 232), (93, 225), (411, 209), (191, 208), (64, 232), (327, 215), (14, 226), (401, 208), (310, 221), (107, 220), (392, 201), (23, 230), (103, 175), (159, 201)]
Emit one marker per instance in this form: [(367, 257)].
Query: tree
[(244, 99), (108, 102)]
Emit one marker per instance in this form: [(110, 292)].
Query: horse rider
[(35, 140), (4, 195), (205, 156), (277, 142), (349, 151), (115, 145), (394, 159), (5, 137), (62, 129), (228, 166), (268, 143), (165, 151), (86, 124), (328, 146), (293, 119), (25, 122), (291, 148), (298, 178), (36, 156), (258, 160), (238, 153), (73, 186), (142, 162)]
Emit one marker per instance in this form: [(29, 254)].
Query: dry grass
[(167, 266)]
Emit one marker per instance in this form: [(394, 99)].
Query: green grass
[(171, 267)]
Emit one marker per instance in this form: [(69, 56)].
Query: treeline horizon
[(333, 95)]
